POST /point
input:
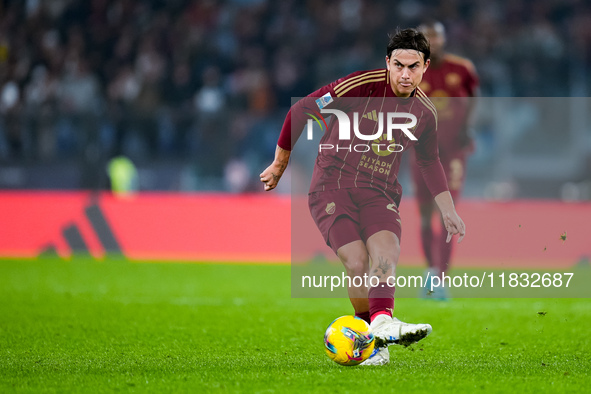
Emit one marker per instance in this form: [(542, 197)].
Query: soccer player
[(451, 83), (354, 196)]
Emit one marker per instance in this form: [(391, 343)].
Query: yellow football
[(348, 340)]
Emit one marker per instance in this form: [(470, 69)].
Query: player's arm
[(427, 156), (271, 175), (292, 129), (293, 125)]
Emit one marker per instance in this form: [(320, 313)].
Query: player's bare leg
[(384, 251), (355, 259)]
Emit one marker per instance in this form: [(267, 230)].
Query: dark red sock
[(381, 300), (364, 315), (443, 251), (427, 243)]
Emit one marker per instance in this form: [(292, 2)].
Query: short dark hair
[(409, 39)]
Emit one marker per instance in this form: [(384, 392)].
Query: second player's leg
[(426, 207), (455, 177), (426, 212)]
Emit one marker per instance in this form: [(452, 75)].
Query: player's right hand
[(454, 225), (270, 177)]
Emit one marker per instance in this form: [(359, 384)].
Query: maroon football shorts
[(348, 215), (455, 171)]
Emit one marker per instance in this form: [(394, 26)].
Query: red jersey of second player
[(449, 85)]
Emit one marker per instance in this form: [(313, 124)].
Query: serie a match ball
[(349, 341)]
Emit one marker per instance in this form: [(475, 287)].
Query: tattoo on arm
[(281, 158)]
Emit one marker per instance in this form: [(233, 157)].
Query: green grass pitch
[(86, 326)]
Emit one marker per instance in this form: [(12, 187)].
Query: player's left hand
[(454, 225)]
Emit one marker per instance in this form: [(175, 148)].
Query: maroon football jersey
[(356, 162), (447, 84)]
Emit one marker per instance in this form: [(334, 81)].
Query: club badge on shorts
[(331, 207)]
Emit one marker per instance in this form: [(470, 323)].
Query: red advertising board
[(257, 228)]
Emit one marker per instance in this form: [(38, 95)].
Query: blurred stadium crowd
[(207, 83)]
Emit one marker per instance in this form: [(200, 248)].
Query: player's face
[(406, 68)]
